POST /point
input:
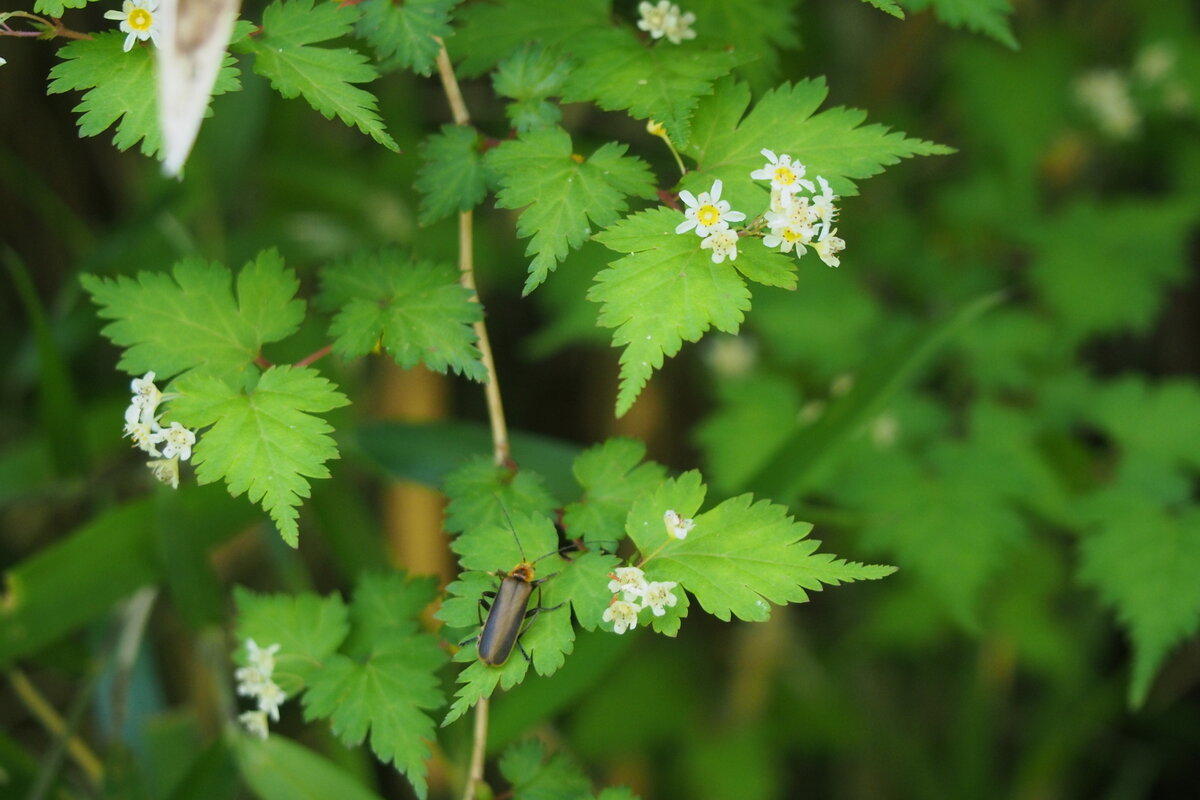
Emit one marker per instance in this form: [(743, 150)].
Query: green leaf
[(664, 292), (387, 694), (739, 555), (612, 476), (1144, 563), (388, 604), (55, 8), (325, 77), (480, 492), (453, 175), (308, 629), (664, 83), (492, 31), (1160, 421), (534, 777), (1104, 268), (418, 311), (887, 7), (529, 76), (753, 418), (119, 88), (265, 442), (279, 769), (756, 31), (989, 17), (189, 320), (561, 192), (833, 143), (405, 31)]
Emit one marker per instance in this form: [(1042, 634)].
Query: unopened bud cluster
[(254, 681), (143, 427)]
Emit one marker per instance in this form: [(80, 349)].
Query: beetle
[(509, 609)]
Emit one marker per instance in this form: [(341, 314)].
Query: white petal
[(688, 198)]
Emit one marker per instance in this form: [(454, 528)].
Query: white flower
[(679, 26), (822, 203), (145, 435), (785, 176), (138, 20), (707, 213), (655, 17), (791, 228), (3, 62), (270, 698), (828, 246), (260, 658), (630, 581), (1105, 93), (659, 597), (255, 722), (677, 526), (178, 442), (165, 470), (723, 243), (622, 615)]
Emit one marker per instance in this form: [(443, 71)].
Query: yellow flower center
[(784, 176), (792, 235), (140, 19), (708, 215)]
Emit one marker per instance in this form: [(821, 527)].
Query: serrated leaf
[(387, 694), (1144, 563), (325, 77), (664, 292), (534, 777), (453, 175), (978, 16), (265, 442), (529, 76), (1160, 421), (887, 7), (119, 88), (418, 311), (406, 31), (388, 604), (612, 476), (756, 31), (480, 492), (190, 320), (492, 31), (739, 555), (618, 72), (55, 8), (833, 143), (307, 628), (563, 194)]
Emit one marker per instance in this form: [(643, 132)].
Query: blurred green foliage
[(996, 392)]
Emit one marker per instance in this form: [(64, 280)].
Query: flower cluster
[(254, 680), (665, 19), (798, 221), (801, 214), (632, 594), (710, 216), (142, 425), (138, 20)]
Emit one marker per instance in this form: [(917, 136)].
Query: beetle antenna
[(511, 527)]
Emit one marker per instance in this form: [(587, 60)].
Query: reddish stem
[(315, 356)]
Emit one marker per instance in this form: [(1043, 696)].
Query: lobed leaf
[(492, 31), (563, 194), (418, 311), (325, 77), (612, 476), (406, 32), (265, 442), (308, 629), (665, 291), (453, 176), (190, 320)]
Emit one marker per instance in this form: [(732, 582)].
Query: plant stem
[(500, 446), (54, 724), (314, 356)]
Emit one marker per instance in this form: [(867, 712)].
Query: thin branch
[(54, 724), (478, 746), (450, 85), (315, 356)]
